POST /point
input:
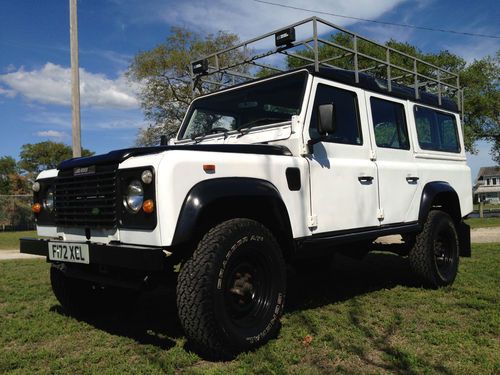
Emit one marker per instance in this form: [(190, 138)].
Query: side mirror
[(163, 140), (326, 119)]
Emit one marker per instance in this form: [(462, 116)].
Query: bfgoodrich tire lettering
[(231, 292), (435, 254)]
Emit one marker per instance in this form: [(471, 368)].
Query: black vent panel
[(87, 199)]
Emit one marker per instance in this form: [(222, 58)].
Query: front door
[(344, 186)]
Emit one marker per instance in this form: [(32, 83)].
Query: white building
[(487, 187)]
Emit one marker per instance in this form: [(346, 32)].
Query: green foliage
[(36, 157), (8, 167), (164, 70)]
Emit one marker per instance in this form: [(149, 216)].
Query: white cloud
[(120, 124), (51, 84), (54, 134), (474, 49), (8, 93), (249, 18)]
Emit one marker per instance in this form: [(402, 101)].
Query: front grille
[(87, 200)]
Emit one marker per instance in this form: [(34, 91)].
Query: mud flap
[(464, 239)]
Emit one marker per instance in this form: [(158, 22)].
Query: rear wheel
[(231, 292), (435, 254)]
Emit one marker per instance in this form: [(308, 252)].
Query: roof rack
[(241, 62)]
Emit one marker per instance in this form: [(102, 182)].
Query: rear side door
[(343, 179), (398, 177)]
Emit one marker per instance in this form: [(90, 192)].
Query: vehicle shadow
[(150, 319), (153, 320), (339, 278)]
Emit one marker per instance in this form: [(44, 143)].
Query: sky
[(35, 100)]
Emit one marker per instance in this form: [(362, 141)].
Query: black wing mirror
[(326, 124), (326, 119)]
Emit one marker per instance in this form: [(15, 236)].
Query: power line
[(380, 22)]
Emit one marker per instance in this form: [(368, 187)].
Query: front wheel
[(435, 254), (231, 292)]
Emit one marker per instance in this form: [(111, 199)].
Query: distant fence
[(15, 212)]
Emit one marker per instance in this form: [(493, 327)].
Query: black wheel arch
[(215, 200), (441, 195)]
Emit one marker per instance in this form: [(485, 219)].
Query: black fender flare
[(430, 191), (448, 198), (208, 191)]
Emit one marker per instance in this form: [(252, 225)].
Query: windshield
[(268, 102)]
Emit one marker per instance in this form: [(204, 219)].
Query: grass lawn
[(10, 240), (363, 317), (483, 222)]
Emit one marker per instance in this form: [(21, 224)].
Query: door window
[(346, 115), (389, 124)]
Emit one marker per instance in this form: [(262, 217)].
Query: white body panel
[(394, 166)]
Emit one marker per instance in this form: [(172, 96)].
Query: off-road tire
[(435, 254), (83, 298), (231, 291)]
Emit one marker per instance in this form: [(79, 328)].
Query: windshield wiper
[(201, 136), (245, 128)]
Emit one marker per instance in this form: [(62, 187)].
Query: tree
[(164, 71), (36, 157), (8, 168), (479, 80)]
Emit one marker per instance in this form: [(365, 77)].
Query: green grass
[(364, 317), (10, 240), (488, 222)]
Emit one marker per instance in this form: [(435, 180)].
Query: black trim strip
[(344, 236), (124, 256), (119, 156)]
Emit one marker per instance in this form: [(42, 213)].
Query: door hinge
[(380, 214), (304, 149), (373, 155), (312, 221)]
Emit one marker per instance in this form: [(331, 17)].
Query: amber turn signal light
[(148, 206), (36, 208)]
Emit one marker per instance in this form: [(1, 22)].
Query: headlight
[(48, 202), (135, 196)]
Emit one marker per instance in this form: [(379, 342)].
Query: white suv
[(259, 175)]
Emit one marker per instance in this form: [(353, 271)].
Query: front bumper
[(116, 255)]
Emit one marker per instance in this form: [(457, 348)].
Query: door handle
[(411, 180), (365, 179)]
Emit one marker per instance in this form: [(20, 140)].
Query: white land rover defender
[(260, 174)]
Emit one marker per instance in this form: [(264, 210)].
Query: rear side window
[(346, 111), (389, 124), (436, 130)]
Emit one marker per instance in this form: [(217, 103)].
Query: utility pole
[(75, 80)]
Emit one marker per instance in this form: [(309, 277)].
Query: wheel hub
[(242, 288)]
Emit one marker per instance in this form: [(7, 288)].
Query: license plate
[(69, 252)]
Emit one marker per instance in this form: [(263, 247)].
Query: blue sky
[(34, 53)]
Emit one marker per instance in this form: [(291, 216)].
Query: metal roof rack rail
[(356, 53)]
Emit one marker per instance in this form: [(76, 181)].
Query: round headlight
[(135, 196), (48, 202), (147, 176), (36, 187)]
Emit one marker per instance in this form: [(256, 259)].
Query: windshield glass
[(268, 102)]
